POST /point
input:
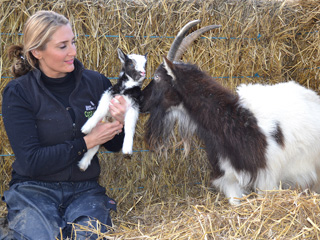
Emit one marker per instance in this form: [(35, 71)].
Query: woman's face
[(58, 57)]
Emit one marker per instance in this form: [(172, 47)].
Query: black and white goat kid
[(129, 84), (258, 138)]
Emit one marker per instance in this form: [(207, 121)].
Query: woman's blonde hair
[(37, 33)]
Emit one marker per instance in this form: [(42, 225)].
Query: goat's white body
[(297, 163), (130, 120)]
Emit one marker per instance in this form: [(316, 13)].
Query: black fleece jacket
[(47, 142)]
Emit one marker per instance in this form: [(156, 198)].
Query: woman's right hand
[(102, 133)]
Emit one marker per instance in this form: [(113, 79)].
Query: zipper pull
[(74, 129)]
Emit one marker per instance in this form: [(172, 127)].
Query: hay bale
[(167, 196), (283, 214)]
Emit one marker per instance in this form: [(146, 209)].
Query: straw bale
[(283, 214), (168, 195)]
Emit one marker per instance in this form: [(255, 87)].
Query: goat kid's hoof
[(127, 147), (127, 152), (82, 166), (86, 129)]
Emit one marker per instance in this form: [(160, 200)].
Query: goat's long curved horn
[(190, 39), (178, 39)]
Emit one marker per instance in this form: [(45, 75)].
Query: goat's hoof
[(127, 152), (85, 130), (126, 148), (82, 169), (82, 166), (234, 201)]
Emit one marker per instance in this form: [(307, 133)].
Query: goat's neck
[(213, 107), (127, 82)]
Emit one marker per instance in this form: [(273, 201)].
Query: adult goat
[(258, 138)]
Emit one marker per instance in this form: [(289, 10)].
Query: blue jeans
[(42, 210)]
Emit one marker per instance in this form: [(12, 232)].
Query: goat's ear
[(121, 55), (169, 67), (146, 55)]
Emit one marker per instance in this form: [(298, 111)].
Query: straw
[(169, 196)]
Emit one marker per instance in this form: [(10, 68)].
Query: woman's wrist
[(89, 143)]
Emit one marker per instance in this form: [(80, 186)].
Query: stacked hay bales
[(169, 196)]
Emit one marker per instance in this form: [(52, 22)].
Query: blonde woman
[(43, 109)]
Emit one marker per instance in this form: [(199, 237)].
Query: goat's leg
[(231, 188), (99, 114), (86, 159), (130, 122)]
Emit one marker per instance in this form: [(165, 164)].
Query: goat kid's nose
[(143, 73)]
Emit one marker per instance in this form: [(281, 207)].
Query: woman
[(43, 111)]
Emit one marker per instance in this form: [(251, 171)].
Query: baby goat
[(129, 86), (257, 139)]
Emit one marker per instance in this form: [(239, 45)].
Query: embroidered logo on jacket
[(90, 109)]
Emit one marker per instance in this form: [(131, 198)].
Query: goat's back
[(294, 110)]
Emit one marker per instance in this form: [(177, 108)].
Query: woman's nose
[(73, 51)]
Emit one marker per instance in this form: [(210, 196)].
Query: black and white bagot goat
[(129, 84), (257, 139)]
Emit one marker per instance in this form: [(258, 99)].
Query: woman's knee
[(88, 228)]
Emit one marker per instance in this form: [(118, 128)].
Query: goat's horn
[(178, 39), (190, 39)]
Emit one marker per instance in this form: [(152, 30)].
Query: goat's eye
[(156, 77), (131, 65)]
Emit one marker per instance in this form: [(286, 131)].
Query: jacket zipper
[(74, 130)]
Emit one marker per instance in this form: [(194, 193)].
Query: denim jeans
[(44, 210)]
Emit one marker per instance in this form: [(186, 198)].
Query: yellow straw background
[(169, 196)]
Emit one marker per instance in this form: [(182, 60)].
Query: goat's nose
[(143, 73)]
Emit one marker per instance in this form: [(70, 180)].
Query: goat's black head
[(161, 98), (160, 92)]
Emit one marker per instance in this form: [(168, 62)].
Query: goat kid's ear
[(169, 67), (122, 56), (146, 55)]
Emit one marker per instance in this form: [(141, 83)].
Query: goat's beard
[(161, 129)]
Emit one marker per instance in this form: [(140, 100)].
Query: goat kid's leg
[(87, 157), (130, 122), (99, 114)]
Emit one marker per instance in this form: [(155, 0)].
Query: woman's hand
[(105, 131), (118, 108), (102, 133)]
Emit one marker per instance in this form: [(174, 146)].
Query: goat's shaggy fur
[(260, 137), (129, 86)]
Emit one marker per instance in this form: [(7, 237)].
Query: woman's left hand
[(118, 108)]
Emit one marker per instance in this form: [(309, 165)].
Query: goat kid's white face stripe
[(140, 62)]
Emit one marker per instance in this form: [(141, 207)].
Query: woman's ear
[(36, 53)]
